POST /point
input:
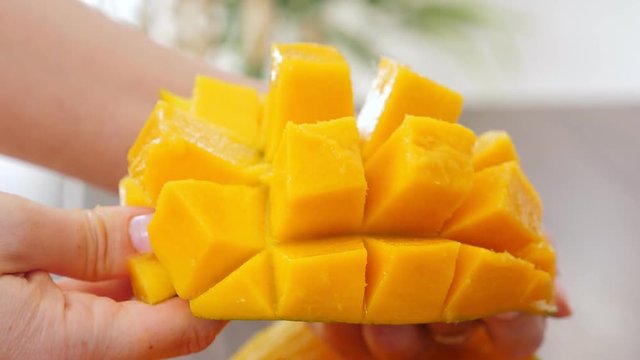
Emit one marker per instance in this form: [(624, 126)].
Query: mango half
[(293, 212)]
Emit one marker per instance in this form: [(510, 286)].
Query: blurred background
[(563, 77)]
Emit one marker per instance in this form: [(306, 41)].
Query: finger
[(117, 289), (83, 244), (346, 339), (562, 301), (134, 330), (516, 335), (396, 341), (452, 334)]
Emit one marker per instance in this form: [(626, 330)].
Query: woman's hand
[(514, 335), (87, 318)]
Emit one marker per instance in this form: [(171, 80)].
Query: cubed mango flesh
[(175, 145), (308, 83), (201, 231), (176, 100), (234, 107), (487, 283), (493, 148), (150, 281), (246, 293), (398, 91), (408, 280), (418, 177), (321, 280), (131, 193), (541, 254), (502, 212), (319, 192), (430, 225)]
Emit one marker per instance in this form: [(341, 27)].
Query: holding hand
[(87, 318)]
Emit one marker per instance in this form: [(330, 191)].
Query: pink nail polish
[(139, 233)]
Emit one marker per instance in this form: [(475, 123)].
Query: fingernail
[(139, 233), (507, 316), (450, 339)]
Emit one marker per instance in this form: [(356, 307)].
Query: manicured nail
[(507, 316), (139, 233)]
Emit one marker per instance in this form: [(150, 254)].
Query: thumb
[(83, 244)]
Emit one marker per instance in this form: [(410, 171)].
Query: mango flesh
[(196, 221), (175, 145), (398, 91), (308, 83), (408, 280), (503, 212), (313, 231), (493, 148), (150, 281), (231, 106), (418, 177), (246, 292), (295, 340), (320, 192), (131, 193), (176, 100)]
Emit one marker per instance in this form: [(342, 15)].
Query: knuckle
[(96, 245)]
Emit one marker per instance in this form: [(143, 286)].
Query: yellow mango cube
[(150, 281), (493, 148), (321, 280), (502, 212), (540, 297), (201, 231), (541, 254), (319, 192), (418, 177), (308, 83), (175, 145), (408, 280), (398, 91), (232, 106), (178, 101), (131, 193), (247, 293), (487, 283)]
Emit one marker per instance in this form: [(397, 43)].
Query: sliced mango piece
[(408, 280), (487, 283), (540, 295), (178, 101), (131, 193), (321, 280), (286, 340), (493, 148), (541, 254), (319, 192), (175, 145), (502, 211), (398, 91), (150, 281), (201, 231), (247, 293), (418, 177), (232, 106), (309, 83)]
